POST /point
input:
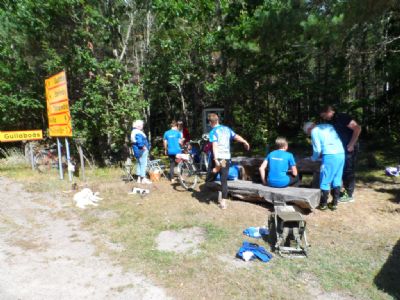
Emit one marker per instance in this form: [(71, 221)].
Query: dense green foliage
[(271, 64)]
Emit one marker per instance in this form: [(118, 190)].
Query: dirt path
[(46, 256)]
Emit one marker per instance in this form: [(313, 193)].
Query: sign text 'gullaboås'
[(21, 135)]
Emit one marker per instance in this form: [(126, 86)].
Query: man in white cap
[(141, 146), (326, 143)]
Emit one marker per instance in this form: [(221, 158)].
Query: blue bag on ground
[(257, 250), (255, 232), (233, 173)]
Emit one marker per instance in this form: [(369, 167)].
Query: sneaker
[(139, 180), (146, 181), (222, 204), (346, 198), (322, 207), (221, 201), (332, 206)]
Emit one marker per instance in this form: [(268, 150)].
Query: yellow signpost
[(58, 115), (57, 106), (60, 130), (22, 135), (60, 118)]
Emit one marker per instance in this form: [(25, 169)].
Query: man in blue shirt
[(221, 137), (280, 162), (172, 146), (326, 143), (348, 131)]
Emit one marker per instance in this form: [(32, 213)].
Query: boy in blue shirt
[(172, 146), (280, 162), (221, 137)]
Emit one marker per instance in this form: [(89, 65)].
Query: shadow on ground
[(205, 195), (208, 195), (388, 277), (395, 192)]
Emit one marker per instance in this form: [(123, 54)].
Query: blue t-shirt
[(325, 140), (223, 136), (279, 162), (173, 137)]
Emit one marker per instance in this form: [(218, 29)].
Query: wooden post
[(82, 161), (31, 156)]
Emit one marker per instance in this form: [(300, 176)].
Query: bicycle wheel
[(187, 175), (203, 162), (42, 162)]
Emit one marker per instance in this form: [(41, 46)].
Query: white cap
[(307, 126)]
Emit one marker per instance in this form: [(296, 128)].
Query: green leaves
[(270, 63)]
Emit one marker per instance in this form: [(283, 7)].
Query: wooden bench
[(250, 191)]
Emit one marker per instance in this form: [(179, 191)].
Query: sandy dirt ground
[(46, 255)]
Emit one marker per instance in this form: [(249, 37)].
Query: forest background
[(270, 64)]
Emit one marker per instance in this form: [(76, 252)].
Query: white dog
[(86, 197)]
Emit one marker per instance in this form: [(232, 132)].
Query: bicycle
[(47, 158), (188, 172), (201, 150)]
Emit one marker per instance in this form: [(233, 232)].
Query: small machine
[(288, 231)]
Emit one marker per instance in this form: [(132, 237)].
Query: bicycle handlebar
[(195, 142)]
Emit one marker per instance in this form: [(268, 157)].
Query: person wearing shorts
[(221, 137), (348, 131), (327, 144), (172, 146)]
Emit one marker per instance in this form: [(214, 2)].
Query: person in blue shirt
[(221, 136), (348, 131), (280, 163), (326, 143), (141, 147), (173, 139)]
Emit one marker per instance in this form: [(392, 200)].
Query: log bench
[(249, 191)]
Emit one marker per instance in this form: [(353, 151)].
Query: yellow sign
[(57, 105), (59, 119), (60, 130), (57, 93), (56, 79), (57, 108), (24, 135)]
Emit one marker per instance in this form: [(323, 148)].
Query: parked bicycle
[(193, 162), (47, 159)]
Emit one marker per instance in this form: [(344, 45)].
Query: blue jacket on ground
[(139, 141), (325, 140), (256, 232), (257, 250)]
